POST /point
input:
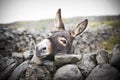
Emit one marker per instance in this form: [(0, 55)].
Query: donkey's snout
[(41, 52), (38, 52), (44, 48)]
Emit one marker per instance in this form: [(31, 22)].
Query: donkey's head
[(59, 40)]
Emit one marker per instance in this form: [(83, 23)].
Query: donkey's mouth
[(43, 56), (41, 53)]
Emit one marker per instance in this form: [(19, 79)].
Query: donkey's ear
[(81, 26), (58, 23)]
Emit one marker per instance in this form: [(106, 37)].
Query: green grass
[(94, 24), (108, 45), (16, 27), (114, 24)]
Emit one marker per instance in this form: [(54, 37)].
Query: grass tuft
[(108, 45)]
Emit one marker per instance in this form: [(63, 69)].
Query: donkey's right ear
[(58, 23), (81, 26)]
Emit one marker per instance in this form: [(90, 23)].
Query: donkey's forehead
[(65, 34)]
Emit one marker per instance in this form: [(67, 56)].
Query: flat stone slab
[(66, 59)]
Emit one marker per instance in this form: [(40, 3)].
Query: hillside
[(46, 25)]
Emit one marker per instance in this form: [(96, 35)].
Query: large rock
[(16, 74), (5, 62), (36, 72), (66, 59), (102, 57), (115, 59), (68, 72), (50, 65), (87, 64), (104, 72), (7, 65), (7, 72)]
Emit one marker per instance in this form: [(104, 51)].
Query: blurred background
[(24, 23)]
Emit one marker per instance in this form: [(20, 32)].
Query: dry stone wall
[(86, 67), (15, 64), (20, 40)]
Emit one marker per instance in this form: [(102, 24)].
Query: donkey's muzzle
[(44, 48)]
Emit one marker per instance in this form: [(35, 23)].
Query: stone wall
[(20, 40), (15, 64), (90, 66), (91, 40)]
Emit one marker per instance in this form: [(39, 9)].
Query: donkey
[(59, 40)]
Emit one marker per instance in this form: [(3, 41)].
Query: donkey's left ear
[(81, 26)]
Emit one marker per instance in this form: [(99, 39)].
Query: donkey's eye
[(64, 41)]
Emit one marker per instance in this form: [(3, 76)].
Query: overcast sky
[(18, 10)]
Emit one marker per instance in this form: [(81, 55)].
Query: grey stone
[(21, 30), (18, 57), (67, 58), (22, 79), (50, 65), (104, 72), (28, 54), (10, 61), (5, 62), (7, 72), (87, 63), (13, 40), (110, 56), (102, 57), (36, 72), (115, 59), (19, 71), (1, 56), (68, 72)]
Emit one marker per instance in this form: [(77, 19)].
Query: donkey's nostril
[(44, 48)]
